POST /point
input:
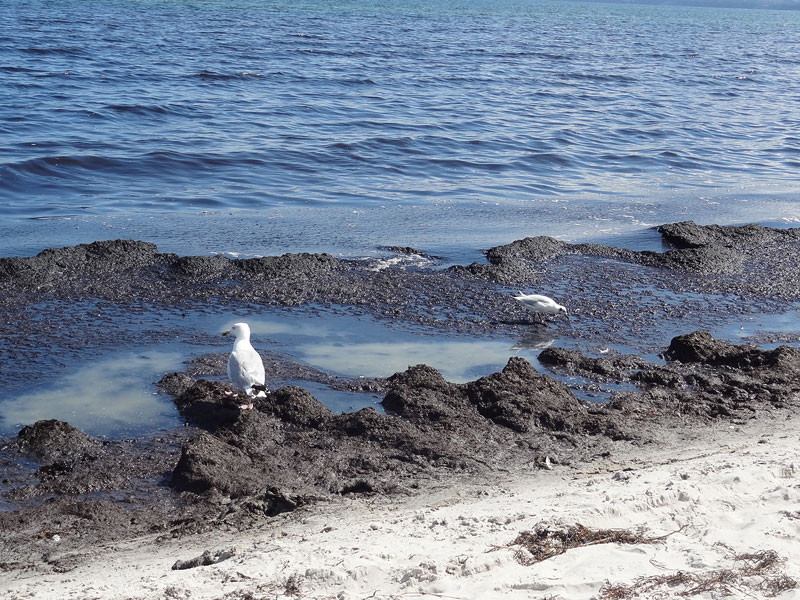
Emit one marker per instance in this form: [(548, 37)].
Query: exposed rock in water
[(688, 234), (704, 377), (64, 264), (68, 461), (752, 256), (700, 347), (421, 395), (293, 443), (603, 369)]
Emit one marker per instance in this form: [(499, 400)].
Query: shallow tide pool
[(115, 395)]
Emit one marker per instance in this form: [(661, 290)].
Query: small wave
[(628, 133), (149, 164), (459, 163), (545, 158), (55, 165), (68, 51), (599, 77), (226, 76), (150, 110), (379, 143), (358, 81), (551, 56), (402, 261), (539, 188), (167, 159), (137, 109), (67, 217)]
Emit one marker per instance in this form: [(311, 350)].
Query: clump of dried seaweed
[(551, 539), (751, 572)]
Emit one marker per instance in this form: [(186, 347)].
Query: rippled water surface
[(578, 119)]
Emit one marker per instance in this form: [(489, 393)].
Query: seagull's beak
[(226, 332)]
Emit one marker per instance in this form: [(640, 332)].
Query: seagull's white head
[(239, 331)]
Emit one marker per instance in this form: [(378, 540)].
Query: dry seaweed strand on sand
[(549, 540), (752, 572)]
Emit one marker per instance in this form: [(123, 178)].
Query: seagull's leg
[(248, 405)]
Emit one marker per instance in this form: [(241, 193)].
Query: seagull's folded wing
[(249, 367)]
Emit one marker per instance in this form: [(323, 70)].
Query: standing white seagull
[(541, 305), (245, 368)]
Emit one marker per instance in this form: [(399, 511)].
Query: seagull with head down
[(245, 368), (541, 305)]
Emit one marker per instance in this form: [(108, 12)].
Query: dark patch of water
[(339, 401)]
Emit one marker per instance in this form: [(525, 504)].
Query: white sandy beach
[(715, 495)]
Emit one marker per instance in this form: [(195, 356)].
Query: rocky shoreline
[(231, 469)]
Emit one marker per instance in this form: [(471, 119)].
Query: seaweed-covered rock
[(521, 399), (104, 257), (269, 267), (540, 248), (201, 268), (704, 260), (421, 395), (56, 440), (209, 404), (175, 384), (747, 251), (701, 347), (614, 368), (688, 234), (293, 404), (208, 463)]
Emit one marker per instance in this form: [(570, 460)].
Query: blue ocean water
[(274, 126)]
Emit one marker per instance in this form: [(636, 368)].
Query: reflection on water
[(111, 396), (354, 347), (753, 326), (458, 361), (340, 401), (535, 340)]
